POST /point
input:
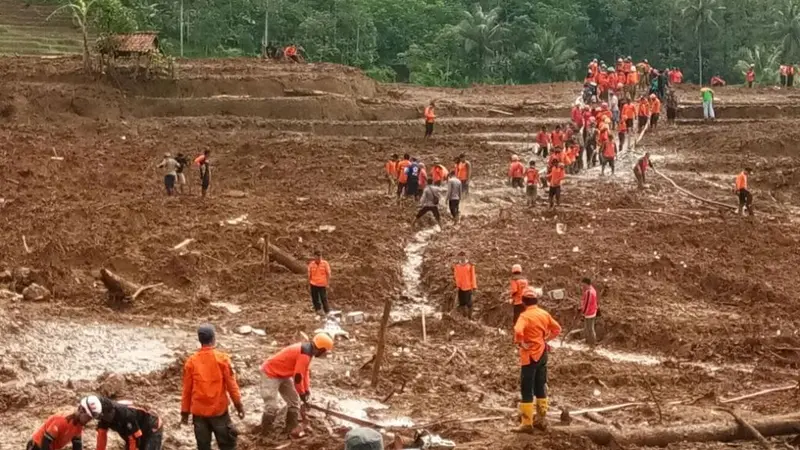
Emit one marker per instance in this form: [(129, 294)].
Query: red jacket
[(589, 303)]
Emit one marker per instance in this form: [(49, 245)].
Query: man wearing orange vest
[(208, 381), (518, 285), (655, 110), (745, 197), (516, 173), (554, 177), (644, 112), (532, 330), (532, 178), (60, 430), (319, 277), (640, 169), (463, 170), (789, 75), (438, 173), (430, 118), (609, 156), (391, 172), (286, 375), (466, 283), (750, 76), (402, 177)]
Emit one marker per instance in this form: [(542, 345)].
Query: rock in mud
[(113, 385), (36, 293), (244, 329), (203, 293)]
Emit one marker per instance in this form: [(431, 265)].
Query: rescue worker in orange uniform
[(463, 170), (640, 169), (622, 131), (655, 110), (430, 118), (466, 283), (532, 179), (402, 177), (557, 137), (629, 115), (543, 139), (745, 197), (391, 172), (750, 76), (319, 278), (632, 81), (438, 173), (532, 330), (516, 173), (59, 430), (644, 112), (609, 156), (208, 382), (518, 285), (286, 375), (554, 177), (290, 53)]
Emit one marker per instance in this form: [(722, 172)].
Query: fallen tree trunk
[(692, 194), (118, 287), (712, 432), (285, 259)]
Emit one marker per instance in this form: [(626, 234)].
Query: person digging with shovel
[(286, 375)]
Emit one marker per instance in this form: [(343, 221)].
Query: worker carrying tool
[(640, 169), (534, 328), (745, 197), (62, 429), (518, 285), (286, 375), (139, 429), (208, 381)]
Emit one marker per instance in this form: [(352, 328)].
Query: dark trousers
[(533, 379), (319, 298), (621, 140), (465, 298), (453, 204), (153, 442), (220, 426), (428, 129), (518, 309)]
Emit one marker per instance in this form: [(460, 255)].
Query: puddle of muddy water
[(85, 351)]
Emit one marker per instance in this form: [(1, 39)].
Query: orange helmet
[(516, 268), (323, 341), (529, 292)]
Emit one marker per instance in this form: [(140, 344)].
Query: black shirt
[(131, 421), (183, 162)]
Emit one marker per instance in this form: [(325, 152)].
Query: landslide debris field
[(698, 305)]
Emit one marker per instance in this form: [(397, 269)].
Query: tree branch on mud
[(744, 424), (693, 195), (122, 289)]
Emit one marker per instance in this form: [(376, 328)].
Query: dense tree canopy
[(458, 42)]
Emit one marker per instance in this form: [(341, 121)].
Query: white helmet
[(91, 405)]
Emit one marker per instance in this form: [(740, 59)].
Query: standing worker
[(532, 178), (518, 285), (672, 106), (62, 429), (205, 171), (412, 172), (640, 169), (402, 178), (644, 112), (391, 172), (139, 429), (454, 196), (466, 283), (170, 166), (430, 118), (463, 173), (750, 76), (708, 103), (609, 156), (183, 163), (286, 375), (745, 197), (516, 173), (319, 278), (554, 178), (589, 311), (208, 381), (655, 111), (532, 330)]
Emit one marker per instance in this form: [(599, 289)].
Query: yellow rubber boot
[(526, 415), (541, 414)]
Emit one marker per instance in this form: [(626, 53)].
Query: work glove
[(305, 396), (239, 410), (184, 418)]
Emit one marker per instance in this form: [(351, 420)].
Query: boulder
[(203, 293), (35, 293), (113, 385)]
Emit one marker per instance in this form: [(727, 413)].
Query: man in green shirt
[(708, 103)]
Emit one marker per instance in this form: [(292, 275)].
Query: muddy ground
[(697, 303)]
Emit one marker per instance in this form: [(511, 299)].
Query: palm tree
[(482, 33), (80, 10), (552, 59), (764, 60), (700, 15), (786, 28)]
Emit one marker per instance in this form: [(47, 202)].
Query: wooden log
[(338, 415), (750, 429), (285, 259), (710, 432), (692, 194), (376, 368), (117, 286)]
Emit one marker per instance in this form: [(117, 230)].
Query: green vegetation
[(459, 42)]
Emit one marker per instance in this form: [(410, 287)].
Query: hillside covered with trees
[(458, 42)]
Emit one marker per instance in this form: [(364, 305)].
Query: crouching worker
[(62, 429), (139, 429), (286, 375), (533, 329)]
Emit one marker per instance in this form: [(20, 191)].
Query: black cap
[(206, 333)]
